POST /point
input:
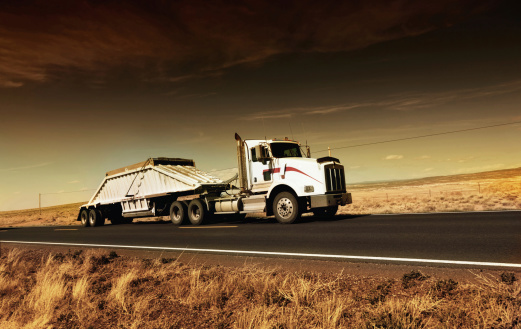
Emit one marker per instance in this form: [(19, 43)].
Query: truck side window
[(253, 155)]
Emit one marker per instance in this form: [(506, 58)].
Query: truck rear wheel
[(286, 208), (95, 218), (84, 217), (197, 212), (178, 212)]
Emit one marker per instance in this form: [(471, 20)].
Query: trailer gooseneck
[(274, 177)]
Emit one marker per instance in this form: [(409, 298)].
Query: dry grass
[(93, 289), (56, 215), (432, 196)]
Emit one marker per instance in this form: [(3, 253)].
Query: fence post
[(387, 196), (479, 187), (40, 202), (430, 194)]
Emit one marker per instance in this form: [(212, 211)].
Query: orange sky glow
[(89, 86)]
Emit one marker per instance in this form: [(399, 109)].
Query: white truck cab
[(289, 181)]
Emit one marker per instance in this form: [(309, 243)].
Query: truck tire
[(325, 212), (197, 212), (84, 217), (178, 213), (95, 218), (286, 208)]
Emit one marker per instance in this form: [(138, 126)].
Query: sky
[(90, 86)]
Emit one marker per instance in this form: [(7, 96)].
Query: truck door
[(261, 168)]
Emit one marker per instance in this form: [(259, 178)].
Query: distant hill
[(495, 174)]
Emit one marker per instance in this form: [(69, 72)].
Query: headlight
[(309, 188)]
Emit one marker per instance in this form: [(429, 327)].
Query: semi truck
[(276, 177)]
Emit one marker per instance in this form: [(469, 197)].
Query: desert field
[(486, 191), (101, 289), (55, 215)]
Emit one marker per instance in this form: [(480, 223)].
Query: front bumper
[(328, 200)]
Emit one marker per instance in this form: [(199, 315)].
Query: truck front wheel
[(286, 208), (178, 212), (197, 212)]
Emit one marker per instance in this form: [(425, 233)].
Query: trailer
[(275, 177)]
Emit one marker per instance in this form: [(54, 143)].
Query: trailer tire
[(178, 212), (286, 208), (197, 212), (84, 217), (95, 218), (325, 212)]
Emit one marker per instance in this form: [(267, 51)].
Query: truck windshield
[(285, 150)]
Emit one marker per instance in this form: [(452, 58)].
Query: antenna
[(264, 128), (291, 130), (304, 131)]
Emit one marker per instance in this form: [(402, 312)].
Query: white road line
[(271, 253)]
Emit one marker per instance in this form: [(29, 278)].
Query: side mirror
[(258, 153), (262, 154)]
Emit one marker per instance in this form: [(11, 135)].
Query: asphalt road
[(486, 237)]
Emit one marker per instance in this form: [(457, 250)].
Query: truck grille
[(335, 178)]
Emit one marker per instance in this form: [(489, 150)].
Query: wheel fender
[(275, 189)]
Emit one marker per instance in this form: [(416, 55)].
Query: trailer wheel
[(325, 212), (286, 208), (95, 218), (84, 217), (178, 212), (196, 212)]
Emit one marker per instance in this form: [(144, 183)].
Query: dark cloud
[(40, 40)]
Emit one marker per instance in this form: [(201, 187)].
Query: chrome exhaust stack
[(241, 162)]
